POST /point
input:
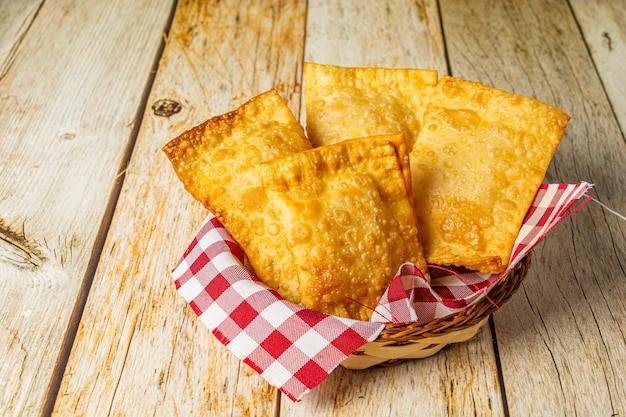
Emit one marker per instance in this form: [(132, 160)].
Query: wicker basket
[(399, 342)]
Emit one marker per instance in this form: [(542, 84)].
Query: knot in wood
[(166, 107)]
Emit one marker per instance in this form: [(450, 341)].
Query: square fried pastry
[(348, 223), (217, 163), (476, 165), (344, 103)]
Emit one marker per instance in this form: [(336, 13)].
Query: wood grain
[(560, 342), (603, 26), (15, 20), (67, 109), (140, 350), (389, 33)]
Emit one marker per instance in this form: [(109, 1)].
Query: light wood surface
[(92, 217), (16, 18), (152, 339), (70, 96), (604, 32)]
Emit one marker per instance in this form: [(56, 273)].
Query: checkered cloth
[(411, 298), (294, 348)]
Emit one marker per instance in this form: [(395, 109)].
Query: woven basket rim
[(411, 340), (497, 297)]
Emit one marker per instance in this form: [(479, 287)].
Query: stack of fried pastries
[(396, 167), (477, 154)]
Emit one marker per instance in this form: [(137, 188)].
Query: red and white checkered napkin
[(411, 298), (294, 348)]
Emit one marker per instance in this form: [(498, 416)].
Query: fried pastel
[(217, 162), (402, 152), (348, 224), (476, 166), (344, 103)]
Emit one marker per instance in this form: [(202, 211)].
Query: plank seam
[(496, 353), (443, 37), (13, 52), (597, 71)]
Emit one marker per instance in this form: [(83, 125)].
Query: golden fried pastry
[(217, 162), (343, 103), (348, 223), (476, 165)]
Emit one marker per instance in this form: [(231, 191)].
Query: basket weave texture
[(399, 342)]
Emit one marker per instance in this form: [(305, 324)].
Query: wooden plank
[(561, 339), (68, 103), (603, 24), (376, 33), (15, 20), (140, 350), (461, 380)]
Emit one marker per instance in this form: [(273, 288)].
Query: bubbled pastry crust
[(348, 223), (345, 103), (476, 165), (217, 162)]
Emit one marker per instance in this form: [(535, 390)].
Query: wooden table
[(92, 217)]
